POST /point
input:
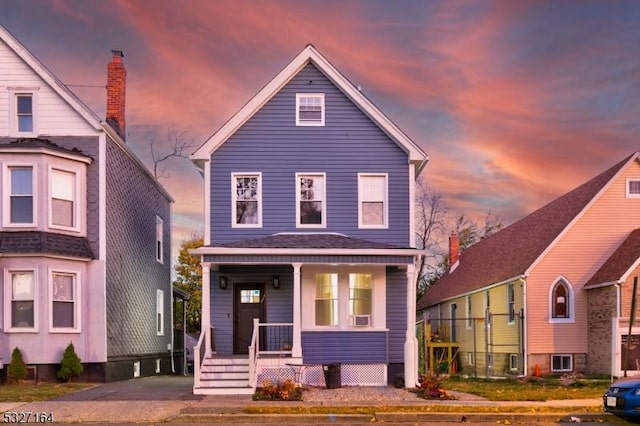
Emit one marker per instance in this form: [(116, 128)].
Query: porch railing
[(275, 338), (199, 351)]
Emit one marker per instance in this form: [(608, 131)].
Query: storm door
[(249, 304)]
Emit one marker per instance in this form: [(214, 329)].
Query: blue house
[(309, 247)]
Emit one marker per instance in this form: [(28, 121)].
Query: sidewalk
[(169, 399)]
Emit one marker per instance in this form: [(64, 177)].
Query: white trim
[(511, 321), (234, 177), (626, 188), (469, 313), (43, 150), (8, 298), (207, 203), (562, 369), (159, 246), (14, 92), (79, 196), (159, 312), (311, 251), (323, 222), (412, 206), (577, 217), (6, 210), (77, 300), (312, 123), (310, 55), (385, 201), (511, 358), (570, 306)]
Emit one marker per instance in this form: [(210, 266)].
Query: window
[(360, 299), (511, 303), (310, 109), (63, 190), (372, 201), (561, 301), (561, 363), (470, 358), (469, 317), (633, 188), (20, 190), (24, 109), (250, 296), (64, 300), (160, 312), (22, 299), (246, 200), (326, 299), (159, 238), (487, 307), (310, 190)]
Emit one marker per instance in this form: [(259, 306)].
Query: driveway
[(155, 388)]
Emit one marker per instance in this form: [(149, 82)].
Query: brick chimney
[(454, 250), (116, 87)]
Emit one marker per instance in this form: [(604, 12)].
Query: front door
[(249, 304)]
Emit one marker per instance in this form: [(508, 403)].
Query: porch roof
[(622, 262), (44, 243), (307, 248)]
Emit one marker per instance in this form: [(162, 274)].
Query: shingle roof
[(310, 241), (620, 261), (37, 143), (37, 242), (511, 251)]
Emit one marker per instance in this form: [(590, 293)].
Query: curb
[(273, 418)]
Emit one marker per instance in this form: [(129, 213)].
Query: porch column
[(296, 350), (205, 321), (411, 342)]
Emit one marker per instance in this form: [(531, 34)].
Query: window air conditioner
[(361, 320)]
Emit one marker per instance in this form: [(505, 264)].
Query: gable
[(310, 56), (57, 110)]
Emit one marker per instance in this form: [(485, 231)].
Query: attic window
[(633, 188), (309, 109)]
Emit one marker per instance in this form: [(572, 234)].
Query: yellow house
[(552, 292)]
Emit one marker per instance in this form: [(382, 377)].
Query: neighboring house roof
[(621, 263), (37, 242), (36, 144), (310, 55), (510, 252)]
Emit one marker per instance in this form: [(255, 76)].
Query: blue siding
[(278, 302), (257, 259), (396, 313), (322, 347), (271, 143)]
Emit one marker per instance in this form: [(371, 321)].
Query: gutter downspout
[(525, 358)]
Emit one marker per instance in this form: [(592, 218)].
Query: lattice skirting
[(313, 375)]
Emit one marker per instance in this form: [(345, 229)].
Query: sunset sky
[(516, 102)]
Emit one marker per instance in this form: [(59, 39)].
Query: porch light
[(276, 281), (222, 281)]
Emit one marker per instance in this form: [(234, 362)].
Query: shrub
[(431, 387), (17, 369), (285, 391), (70, 366)]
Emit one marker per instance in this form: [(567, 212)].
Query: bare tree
[(430, 230), (179, 146)]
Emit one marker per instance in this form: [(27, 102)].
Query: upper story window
[(511, 301), (372, 201), (23, 112), (63, 199), (326, 299), (633, 188), (246, 200), (310, 109), (20, 291), (159, 239), (561, 302), (469, 312), (311, 206), (19, 192), (160, 312)]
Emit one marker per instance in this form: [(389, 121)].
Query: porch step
[(224, 376)]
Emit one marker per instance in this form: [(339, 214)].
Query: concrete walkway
[(169, 399)]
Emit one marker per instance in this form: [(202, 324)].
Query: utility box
[(332, 376)]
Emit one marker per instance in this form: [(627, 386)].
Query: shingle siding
[(272, 144), (133, 273)]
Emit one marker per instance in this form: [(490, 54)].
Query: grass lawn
[(31, 392), (543, 389)]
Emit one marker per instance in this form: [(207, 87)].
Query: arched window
[(561, 303)]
